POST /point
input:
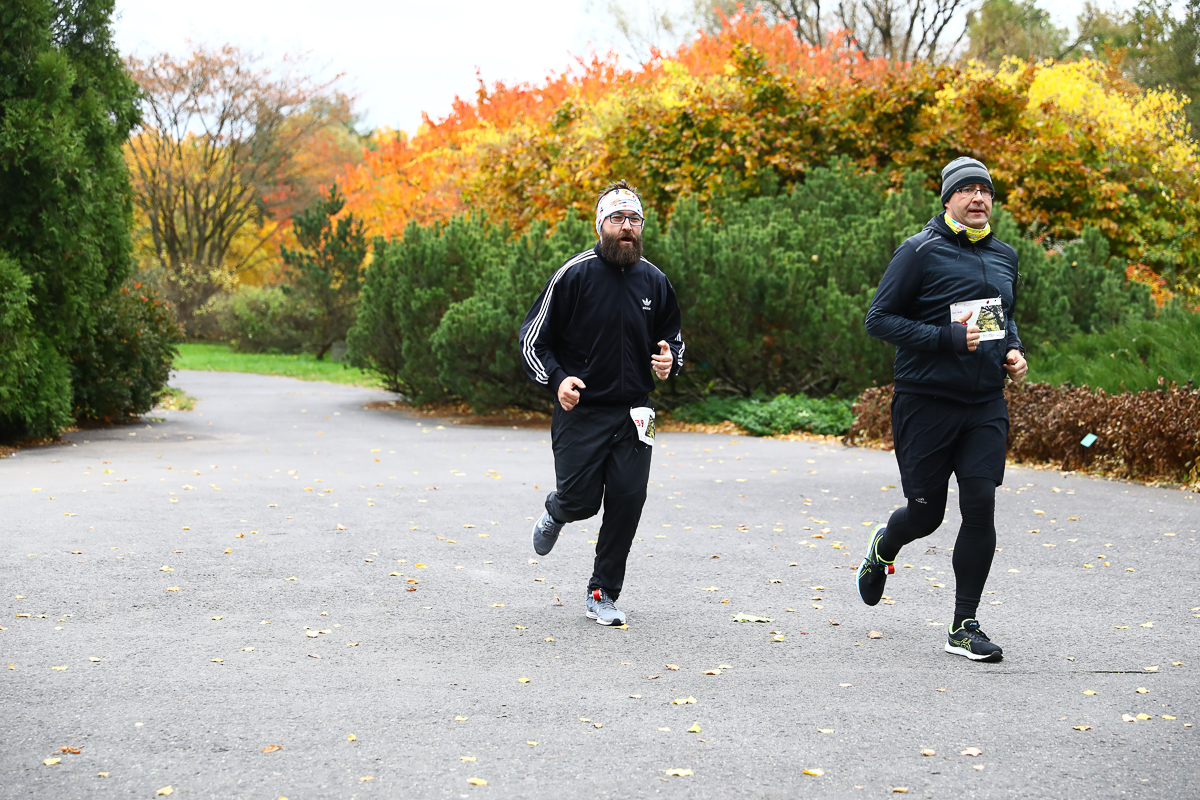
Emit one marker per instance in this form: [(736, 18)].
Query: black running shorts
[(935, 437)]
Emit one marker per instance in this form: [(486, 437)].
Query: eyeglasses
[(969, 191), (621, 219)]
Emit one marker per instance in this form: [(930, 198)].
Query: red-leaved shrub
[(1152, 435)]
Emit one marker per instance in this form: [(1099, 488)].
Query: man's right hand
[(568, 392), (973, 332)]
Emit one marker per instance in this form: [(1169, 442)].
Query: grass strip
[(305, 367)]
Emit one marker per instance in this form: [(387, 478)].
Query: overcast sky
[(399, 57)]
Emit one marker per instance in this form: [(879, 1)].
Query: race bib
[(643, 421), (987, 314)]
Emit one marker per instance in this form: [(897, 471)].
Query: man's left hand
[(1016, 366), (662, 361)]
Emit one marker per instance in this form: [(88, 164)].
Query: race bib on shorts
[(643, 421), (987, 314)]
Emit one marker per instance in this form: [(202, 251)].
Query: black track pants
[(976, 543), (598, 457)]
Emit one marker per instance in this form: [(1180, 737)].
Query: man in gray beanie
[(946, 302)]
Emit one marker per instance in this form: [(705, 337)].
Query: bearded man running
[(605, 325)]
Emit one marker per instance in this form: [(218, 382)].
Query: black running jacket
[(911, 309), (601, 324)]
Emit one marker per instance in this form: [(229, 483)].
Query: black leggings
[(976, 542)]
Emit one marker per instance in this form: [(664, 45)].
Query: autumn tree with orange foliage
[(228, 151), (751, 109)]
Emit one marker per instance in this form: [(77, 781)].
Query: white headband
[(614, 201)]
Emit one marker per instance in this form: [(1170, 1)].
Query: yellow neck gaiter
[(973, 234)]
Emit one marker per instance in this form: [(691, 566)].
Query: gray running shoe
[(603, 610), (545, 533)]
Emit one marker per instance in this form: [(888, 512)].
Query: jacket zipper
[(621, 360), (986, 291)]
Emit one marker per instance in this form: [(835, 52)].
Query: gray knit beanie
[(964, 171)]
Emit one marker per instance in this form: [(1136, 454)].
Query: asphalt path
[(283, 594)]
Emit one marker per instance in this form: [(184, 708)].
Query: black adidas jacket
[(601, 324), (911, 309)]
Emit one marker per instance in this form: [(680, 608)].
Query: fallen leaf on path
[(971, 751), (367, 778), (684, 701), (1088, 692), (695, 728), (740, 617), (1081, 727), (712, 672), (466, 758), (94, 660), (899, 790), (522, 680), (531, 743), (1151, 669), (678, 773), (460, 719), (928, 752), (1144, 717), (352, 738), (815, 772), (1142, 690), (58, 669), (874, 635), (671, 667), (50, 762), (166, 790), (271, 748)]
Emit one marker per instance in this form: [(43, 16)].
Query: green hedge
[(121, 370), (773, 289), (764, 416), (66, 106)]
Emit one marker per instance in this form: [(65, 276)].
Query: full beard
[(621, 249)]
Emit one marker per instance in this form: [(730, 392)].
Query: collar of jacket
[(939, 224)]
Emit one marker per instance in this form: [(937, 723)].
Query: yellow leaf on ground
[(1144, 716), (367, 778), (531, 743), (1128, 718), (1081, 727), (1142, 690), (671, 666), (166, 790), (899, 790), (684, 701), (928, 752), (271, 748), (695, 728), (522, 680), (59, 669), (817, 772), (101, 774), (1151, 669), (874, 635), (712, 672), (352, 738), (678, 773), (460, 719), (971, 751), (466, 758), (824, 730), (477, 781), (50, 762), (1088, 692)]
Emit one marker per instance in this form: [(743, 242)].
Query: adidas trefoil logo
[(645, 303)]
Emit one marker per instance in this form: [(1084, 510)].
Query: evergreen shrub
[(258, 319), (409, 285), (767, 416), (121, 370)]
